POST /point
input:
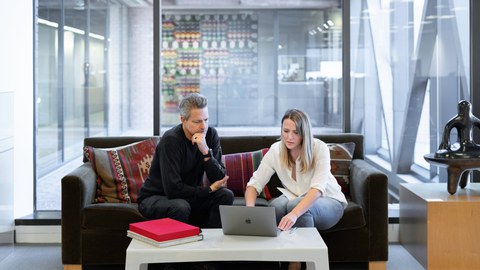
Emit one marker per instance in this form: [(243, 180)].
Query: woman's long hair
[(304, 129)]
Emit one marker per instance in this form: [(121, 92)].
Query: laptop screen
[(250, 221)]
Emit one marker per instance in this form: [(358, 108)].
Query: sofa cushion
[(112, 216), (240, 168), (341, 155), (353, 218), (121, 171)]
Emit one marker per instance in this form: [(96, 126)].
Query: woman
[(302, 164)]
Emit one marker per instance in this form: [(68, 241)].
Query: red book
[(164, 229)]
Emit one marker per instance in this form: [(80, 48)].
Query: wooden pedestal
[(440, 230)]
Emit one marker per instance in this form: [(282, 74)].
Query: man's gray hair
[(192, 101)]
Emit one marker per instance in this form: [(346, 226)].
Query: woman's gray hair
[(192, 101)]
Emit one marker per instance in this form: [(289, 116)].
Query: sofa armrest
[(78, 190), (369, 188)]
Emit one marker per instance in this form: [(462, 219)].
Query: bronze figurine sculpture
[(464, 122), (464, 154)]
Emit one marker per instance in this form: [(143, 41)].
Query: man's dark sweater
[(178, 167)]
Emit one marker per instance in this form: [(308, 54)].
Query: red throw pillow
[(240, 167), (121, 171)]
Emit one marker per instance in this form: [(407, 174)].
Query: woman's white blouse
[(319, 177)]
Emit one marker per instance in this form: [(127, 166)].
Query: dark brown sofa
[(95, 234)]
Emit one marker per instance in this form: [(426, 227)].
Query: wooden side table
[(441, 230)]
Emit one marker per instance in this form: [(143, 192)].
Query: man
[(174, 186)]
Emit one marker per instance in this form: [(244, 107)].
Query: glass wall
[(253, 63), (95, 71), (94, 77), (410, 68), (7, 189)]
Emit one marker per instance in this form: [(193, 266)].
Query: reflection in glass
[(410, 67), (94, 78), (253, 65)]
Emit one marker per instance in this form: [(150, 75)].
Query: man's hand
[(199, 140), (219, 184)]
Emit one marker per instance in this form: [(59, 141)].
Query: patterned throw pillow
[(121, 171), (240, 168), (341, 155)]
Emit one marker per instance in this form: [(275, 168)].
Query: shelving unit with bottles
[(206, 51)]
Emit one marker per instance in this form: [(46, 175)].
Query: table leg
[(129, 265), (317, 265)]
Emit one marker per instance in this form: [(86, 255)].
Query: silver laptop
[(251, 221)]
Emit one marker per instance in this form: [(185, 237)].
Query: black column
[(346, 66), (157, 34), (475, 68)]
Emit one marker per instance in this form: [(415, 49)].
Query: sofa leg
[(377, 265), (72, 267)]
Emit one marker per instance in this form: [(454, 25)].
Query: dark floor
[(48, 257)]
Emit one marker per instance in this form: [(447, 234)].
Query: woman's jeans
[(323, 214)]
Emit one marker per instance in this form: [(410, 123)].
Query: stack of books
[(164, 232)]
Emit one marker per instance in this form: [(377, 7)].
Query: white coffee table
[(305, 244)]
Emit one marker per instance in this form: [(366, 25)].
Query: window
[(253, 60), (253, 63), (410, 68), (94, 78)]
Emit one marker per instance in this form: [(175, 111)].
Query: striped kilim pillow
[(341, 155), (121, 171), (240, 168)]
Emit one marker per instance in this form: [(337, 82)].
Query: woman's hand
[(287, 221), (250, 196)]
